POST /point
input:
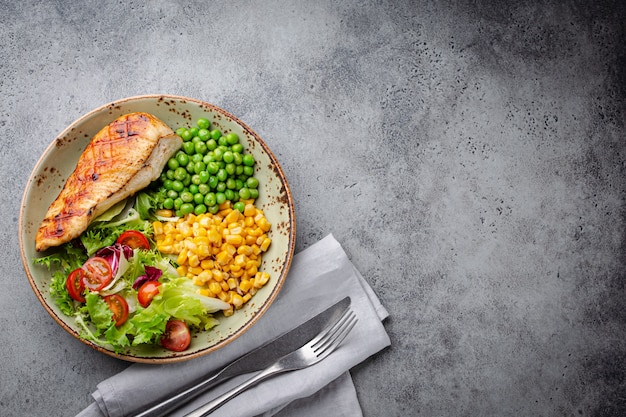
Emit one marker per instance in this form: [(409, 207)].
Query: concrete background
[(469, 156)]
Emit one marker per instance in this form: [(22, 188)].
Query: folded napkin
[(320, 276)]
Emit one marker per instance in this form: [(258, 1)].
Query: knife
[(255, 360)]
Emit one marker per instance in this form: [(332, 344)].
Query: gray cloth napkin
[(319, 276)]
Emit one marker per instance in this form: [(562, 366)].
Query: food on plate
[(143, 268), (121, 159)]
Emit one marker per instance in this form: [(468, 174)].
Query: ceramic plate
[(58, 162)]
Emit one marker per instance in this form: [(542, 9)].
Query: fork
[(311, 353)]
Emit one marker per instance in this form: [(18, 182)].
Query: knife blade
[(255, 360)]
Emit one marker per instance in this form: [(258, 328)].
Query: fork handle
[(211, 406)]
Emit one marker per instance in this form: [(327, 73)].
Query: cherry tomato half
[(135, 239), (119, 307), (177, 336), (97, 273), (146, 292), (75, 285)]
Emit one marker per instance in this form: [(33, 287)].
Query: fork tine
[(336, 335), (329, 327)]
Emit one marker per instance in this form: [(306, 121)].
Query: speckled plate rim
[(174, 357)]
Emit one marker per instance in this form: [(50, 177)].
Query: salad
[(121, 291)]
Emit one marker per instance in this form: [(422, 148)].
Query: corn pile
[(220, 252)]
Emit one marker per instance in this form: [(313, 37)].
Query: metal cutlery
[(311, 353), (255, 360)]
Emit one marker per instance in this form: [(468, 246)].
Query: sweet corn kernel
[(215, 287), (206, 264), (245, 285), (265, 244), (236, 300)]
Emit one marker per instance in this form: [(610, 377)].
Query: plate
[(275, 199)]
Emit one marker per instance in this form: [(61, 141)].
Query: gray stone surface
[(469, 156)]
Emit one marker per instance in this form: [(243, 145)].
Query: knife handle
[(163, 408)]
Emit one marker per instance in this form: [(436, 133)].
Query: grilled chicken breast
[(121, 159)]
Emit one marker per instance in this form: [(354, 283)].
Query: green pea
[(194, 131), (212, 167), (180, 173), (204, 135), (244, 193), (237, 148), (168, 203), (232, 138), (186, 208), (185, 135), (230, 195), (203, 189), (172, 163), (199, 167), (213, 181), (239, 206), (182, 158), (203, 123), (204, 177), (189, 148), (237, 158), (195, 179), (177, 186), (201, 148), (211, 144), (222, 175), (239, 169), (252, 182), (186, 196), (221, 187), (228, 157), (238, 184), (195, 158), (254, 193), (187, 181), (210, 199), (222, 141), (193, 188), (167, 184), (172, 194), (198, 198), (248, 171), (180, 131), (230, 183), (177, 203), (199, 209), (248, 160), (218, 153), (214, 209), (169, 174), (230, 169), (220, 198), (191, 168), (216, 134)]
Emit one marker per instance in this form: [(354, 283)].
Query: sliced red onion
[(112, 255), (152, 274)]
